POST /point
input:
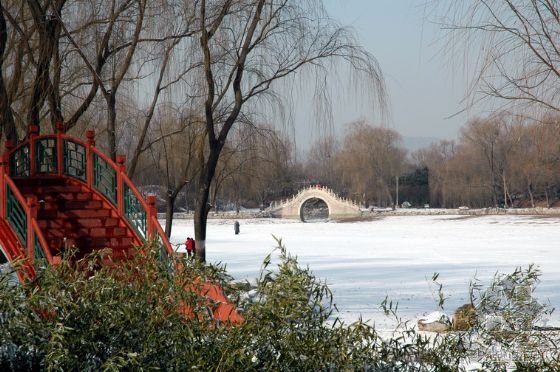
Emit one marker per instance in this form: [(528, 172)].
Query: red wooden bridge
[(58, 192)]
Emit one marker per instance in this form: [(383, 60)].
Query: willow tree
[(29, 64), (249, 48), (370, 159), (510, 48)]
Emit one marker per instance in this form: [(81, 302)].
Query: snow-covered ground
[(363, 262)]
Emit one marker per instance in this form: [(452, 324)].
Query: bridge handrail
[(28, 233), (42, 244), (81, 162), (159, 236), (329, 191)]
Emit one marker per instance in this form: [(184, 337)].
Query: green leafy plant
[(133, 315)]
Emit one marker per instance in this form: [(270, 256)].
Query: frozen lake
[(394, 256)]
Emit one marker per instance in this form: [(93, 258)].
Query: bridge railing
[(329, 191), (21, 216), (65, 156)]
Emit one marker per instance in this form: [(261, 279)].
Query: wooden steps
[(71, 217)]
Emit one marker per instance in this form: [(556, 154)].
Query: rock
[(494, 323), (435, 322), (464, 318)]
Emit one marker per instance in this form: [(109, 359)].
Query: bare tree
[(254, 167), (511, 47), (538, 159), (493, 138), (369, 161), (119, 42), (123, 44), (321, 162), (437, 158), (177, 160), (503, 159), (43, 58), (246, 47)]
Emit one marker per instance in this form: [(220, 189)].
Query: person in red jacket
[(190, 246)]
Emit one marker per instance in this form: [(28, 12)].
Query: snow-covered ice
[(395, 256)]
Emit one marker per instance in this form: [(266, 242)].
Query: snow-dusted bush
[(82, 317)]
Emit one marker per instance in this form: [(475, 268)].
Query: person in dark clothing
[(236, 227)]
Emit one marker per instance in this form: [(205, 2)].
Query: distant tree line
[(503, 160), (500, 161)]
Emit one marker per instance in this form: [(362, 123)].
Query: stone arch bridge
[(292, 208)]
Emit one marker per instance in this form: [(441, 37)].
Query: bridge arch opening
[(314, 210)]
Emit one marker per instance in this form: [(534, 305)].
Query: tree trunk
[(169, 209), (530, 190), (111, 125), (48, 28), (396, 204), (7, 124), (505, 190), (388, 194), (54, 99), (201, 210), (203, 206), (170, 206)]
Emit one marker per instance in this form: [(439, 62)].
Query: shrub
[(131, 316)]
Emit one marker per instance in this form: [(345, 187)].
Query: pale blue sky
[(423, 90)]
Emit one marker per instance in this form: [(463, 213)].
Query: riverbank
[(380, 212)]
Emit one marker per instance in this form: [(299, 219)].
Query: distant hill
[(412, 143)]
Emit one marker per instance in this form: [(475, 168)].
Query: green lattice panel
[(16, 216), (135, 213), (40, 260), (19, 162), (104, 178), (74, 160), (45, 156)]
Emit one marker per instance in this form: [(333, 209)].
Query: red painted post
[(32, 207), (152, 211), (3, 172), (32, 132), (90, 135), (59, 148), (9, 145), (121, 161)]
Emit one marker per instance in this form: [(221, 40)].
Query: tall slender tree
[(247, 48)]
